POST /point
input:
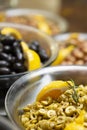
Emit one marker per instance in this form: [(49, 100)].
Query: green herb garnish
[(74, 94)]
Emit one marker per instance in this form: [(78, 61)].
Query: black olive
[(8, 40), (7, 49), (12, 59), (18, 54), (4, 71), (4, 56), (16, 44), (34, 45), (13, 72), (4, 63), (1, 47), (19, 67), (44, 57)]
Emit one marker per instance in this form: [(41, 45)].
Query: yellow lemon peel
[(33, 61), (74, 36), (78, 123), (63, 53), (12, 31), (42, 24), (54, 89)]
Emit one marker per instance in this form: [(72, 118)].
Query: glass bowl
[(25, 89), (28, 34), (78, 56), (13, 15), (6, 124)]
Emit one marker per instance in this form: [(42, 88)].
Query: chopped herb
[(74, 94)]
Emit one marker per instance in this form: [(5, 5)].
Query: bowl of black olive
[(22, 50)]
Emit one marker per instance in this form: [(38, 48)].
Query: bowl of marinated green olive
[(50, 98), (22, 50)]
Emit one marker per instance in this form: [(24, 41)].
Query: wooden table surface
[(75, 12)]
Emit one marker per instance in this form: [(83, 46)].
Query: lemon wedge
[(78, 123), (74, 126), (63, 53), (74, 36), (12, 31), (54, 89), (43, 26), (33, 61)]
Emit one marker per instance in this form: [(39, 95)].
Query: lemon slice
[(63, 53), (77, 124), (74, 126), (33, 61), (54, 89), (43, 26), (12, 31), (74, 36)]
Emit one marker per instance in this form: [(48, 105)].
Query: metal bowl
[(25, 90)]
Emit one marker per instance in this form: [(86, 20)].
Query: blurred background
[(73, 11)]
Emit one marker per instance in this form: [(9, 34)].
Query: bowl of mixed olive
[(22, 49), (45, 21), (73, 49), (50, 98)]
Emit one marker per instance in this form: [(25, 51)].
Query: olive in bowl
[(50, 98), (17, 59)]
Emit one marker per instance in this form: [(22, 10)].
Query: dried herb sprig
[(74, 94)]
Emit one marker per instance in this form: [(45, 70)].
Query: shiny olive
[(4, 71), (7, 49), (18, 54), (4, 63), (1, 47), (8, 40), (13, 72), (4, 56), (19, 67), (12, 59), (44, 57), (34, 45), (16, 44)]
